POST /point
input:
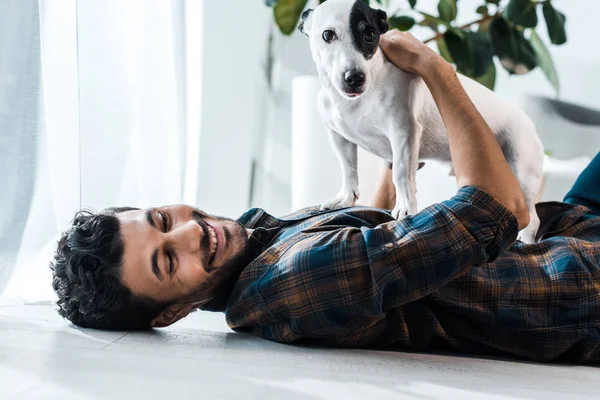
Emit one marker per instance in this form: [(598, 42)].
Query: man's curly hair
[(87, 276)]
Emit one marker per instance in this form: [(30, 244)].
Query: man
[(450, 277)]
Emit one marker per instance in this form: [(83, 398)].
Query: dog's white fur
[(397, 119)]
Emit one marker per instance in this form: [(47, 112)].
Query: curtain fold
[(20, 127)]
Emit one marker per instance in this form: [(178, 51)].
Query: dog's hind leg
[(529, 173), (346, 152), (531, 186), (528, 234)]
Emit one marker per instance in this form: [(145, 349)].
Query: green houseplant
[(505, 29)]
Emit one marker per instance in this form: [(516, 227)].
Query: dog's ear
[(382, 23), (305, 20)]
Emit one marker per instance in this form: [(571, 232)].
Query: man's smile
[(216, 242)]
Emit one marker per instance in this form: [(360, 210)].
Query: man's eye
[(171, 265), (163, 217)]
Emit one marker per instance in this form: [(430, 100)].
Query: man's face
[(177, 253)]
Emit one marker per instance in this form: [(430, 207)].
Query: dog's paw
[(342, 200), (399, 212)]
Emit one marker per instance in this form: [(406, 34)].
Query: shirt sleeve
[(412, 258)]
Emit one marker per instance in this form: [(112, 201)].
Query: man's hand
[(406, 52), (477, 158)]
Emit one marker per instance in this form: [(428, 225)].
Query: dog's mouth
[(353, 93)]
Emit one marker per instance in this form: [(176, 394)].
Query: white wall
[(292, 59), (233, 49)]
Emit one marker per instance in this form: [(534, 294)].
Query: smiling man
[(450, 277), (127, 268)]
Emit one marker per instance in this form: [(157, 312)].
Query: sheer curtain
[(21, 135), (94, 112)]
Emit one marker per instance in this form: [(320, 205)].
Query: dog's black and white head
[(344, 37)]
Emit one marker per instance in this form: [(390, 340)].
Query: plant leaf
[(555, 20), (489, 78), (401, 22), (436, 20), (447, 10), (544, 60), (472, 53), (457, 32), (522, 12), (511, 47), (485, 25), (287, 13), (443, 50), (432, 22), (412, 3)]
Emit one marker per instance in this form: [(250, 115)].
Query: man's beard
[(221, 280)]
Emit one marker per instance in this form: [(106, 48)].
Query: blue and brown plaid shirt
[(451, 276)]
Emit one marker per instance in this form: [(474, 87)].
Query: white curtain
[(93, 113)]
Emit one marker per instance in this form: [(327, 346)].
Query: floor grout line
[(117, 339)]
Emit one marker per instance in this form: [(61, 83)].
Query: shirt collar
[(556, 217), (265, 228)]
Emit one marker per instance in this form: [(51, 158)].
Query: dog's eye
[(370, 36), (329, 36)]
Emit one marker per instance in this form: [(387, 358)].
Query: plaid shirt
[(451, 276)]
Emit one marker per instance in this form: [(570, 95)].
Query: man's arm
[(476, 155), (338, 284)]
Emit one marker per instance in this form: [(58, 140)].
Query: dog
[(367, 101)]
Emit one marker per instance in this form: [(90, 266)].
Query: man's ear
[(305, 21), (382, 23), (172, 314)]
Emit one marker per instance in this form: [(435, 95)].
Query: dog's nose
[(354, 79)]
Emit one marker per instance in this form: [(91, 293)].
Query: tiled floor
[(44, 357)]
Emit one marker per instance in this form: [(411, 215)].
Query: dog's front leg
[(346, 152), (405, 149)]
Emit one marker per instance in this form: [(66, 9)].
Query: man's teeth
[(213, 241)]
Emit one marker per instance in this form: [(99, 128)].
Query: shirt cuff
[(505, 226)]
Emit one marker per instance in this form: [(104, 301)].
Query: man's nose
[(186, 237)]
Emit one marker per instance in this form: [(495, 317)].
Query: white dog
[(367, 101)]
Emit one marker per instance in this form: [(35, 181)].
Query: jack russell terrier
[(367, 101)]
